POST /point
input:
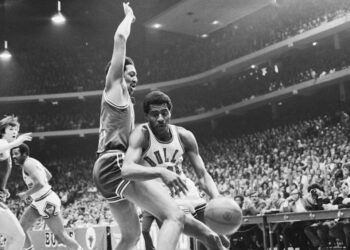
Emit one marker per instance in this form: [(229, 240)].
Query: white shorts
[(47, 205), (192, 200)]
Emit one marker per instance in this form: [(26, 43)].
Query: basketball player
[(9, 225), (160, 146), (45, 204), (116, 124)]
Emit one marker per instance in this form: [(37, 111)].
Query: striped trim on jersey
[(44, 196)]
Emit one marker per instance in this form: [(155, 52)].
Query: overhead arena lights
[(58, 18), (5, 54)]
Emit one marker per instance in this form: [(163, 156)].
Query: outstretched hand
[(22, 138), (128, 11), (174, 182)]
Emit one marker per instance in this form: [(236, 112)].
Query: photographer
[(340, 229), (317, 232), (293, 233)]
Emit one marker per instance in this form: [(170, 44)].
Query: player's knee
[(178, 216), (130, 239)]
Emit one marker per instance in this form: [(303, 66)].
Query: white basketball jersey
[(164, 154), (29, 181), (6, 154)]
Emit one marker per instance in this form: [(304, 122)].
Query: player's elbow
[(119, 37)]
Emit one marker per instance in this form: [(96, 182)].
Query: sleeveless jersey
[(29, 181), (5, 165), (6, 154), (164, 154), (116, 124)]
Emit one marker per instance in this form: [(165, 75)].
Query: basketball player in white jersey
[(45, 204), (9, 225), (160, 145)]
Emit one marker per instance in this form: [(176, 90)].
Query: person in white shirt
[(46, 204), (9, 225)]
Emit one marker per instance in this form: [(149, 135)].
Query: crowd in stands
[(39, 69), (279, 169), (291, 69)]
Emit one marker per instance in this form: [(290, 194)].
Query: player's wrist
[(130, 17)]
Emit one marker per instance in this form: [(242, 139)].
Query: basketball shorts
[(107, 176), (192, 202), (47, 205)]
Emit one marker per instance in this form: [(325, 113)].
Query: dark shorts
[(107, 176)]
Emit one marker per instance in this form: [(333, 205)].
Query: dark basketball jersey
[(116, 124)]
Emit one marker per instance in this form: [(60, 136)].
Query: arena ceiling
[(191, 17), (198, 17)]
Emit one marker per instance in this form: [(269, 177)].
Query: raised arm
[(191, 150), (19, 140), (116, 88), (132, 170)]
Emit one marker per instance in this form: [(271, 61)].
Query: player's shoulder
[(184, 134), (31, 162), (3, 142), (140, 134)]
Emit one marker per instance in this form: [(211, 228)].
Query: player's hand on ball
[(174, 182), (128, 11)]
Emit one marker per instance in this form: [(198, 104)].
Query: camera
[(314, 194)]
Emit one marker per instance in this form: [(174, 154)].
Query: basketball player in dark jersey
[(116, 124), (9, 225), (159, 146)]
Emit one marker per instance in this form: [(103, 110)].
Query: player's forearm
[(136, 172), (123, 30), (209, 187)]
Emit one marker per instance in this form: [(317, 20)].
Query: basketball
[(223, 215)]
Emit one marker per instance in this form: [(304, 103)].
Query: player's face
[(130, 76), (158, 118), (17, 157), (344, 189), (11, 133)]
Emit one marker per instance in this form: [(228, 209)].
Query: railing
[(106, 237), (266, 222)]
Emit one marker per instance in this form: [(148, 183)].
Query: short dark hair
[(23, 149), (239, 197), (128, 61), (8, 120), (315, 186), (156, 98)]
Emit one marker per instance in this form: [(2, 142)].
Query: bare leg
[(147, 220), (55, 223), (153, 197), (11, 228), (28, 218), (125, 214), (203, 233)]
